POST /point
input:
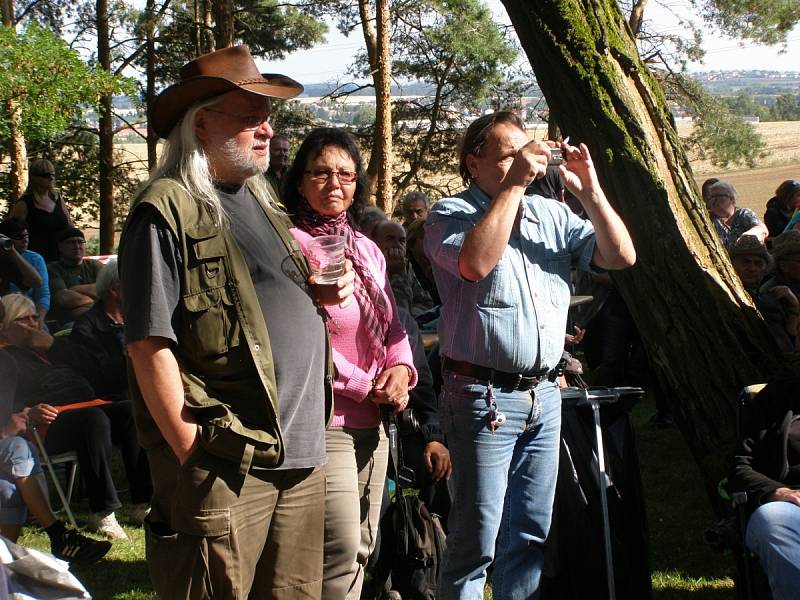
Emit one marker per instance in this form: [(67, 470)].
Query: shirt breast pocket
[(558, 274)]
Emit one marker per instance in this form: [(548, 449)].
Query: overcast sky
[(328, 62)]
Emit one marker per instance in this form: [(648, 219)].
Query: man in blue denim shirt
[(502, 265)]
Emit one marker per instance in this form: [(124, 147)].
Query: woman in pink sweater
[(325, 193)]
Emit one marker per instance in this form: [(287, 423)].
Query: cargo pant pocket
[(206, 488), (178, 563)]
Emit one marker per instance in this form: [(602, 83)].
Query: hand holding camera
[(578, 173)]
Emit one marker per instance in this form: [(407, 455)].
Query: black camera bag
[(412, 538)]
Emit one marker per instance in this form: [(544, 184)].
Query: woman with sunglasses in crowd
[(17, 230), (43, 209), (325, 193)]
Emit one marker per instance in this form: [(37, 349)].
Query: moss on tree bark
[(702, 333)]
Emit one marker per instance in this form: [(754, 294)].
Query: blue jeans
[(773, 533), (17, 459), (504, 482)]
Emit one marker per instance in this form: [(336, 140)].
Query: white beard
[(244, 162)]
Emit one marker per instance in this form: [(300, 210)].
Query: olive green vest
[(223, 350)]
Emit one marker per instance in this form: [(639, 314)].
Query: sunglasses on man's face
[(50, 175)]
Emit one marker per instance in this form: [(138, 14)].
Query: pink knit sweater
[(351, 346)]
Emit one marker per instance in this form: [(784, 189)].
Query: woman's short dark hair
[(316, 141), (786, 190), (476, 135)]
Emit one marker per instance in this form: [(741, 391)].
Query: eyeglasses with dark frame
[(249, 122), (49, 175), (27, 318), (323, 175)]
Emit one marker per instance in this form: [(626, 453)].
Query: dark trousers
[(92, 433)]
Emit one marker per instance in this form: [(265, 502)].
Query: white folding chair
[(48, 462)]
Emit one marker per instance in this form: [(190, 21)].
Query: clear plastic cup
[(325, 256)]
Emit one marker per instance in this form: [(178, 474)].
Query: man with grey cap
[(730, 222), (231, 366)]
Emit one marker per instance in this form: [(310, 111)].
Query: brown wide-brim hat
[(214, 74)]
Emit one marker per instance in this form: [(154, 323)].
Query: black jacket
[(762, 465), (96, 349), (774, 218)]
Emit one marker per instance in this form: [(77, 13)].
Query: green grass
[(122, 575), (678, 512)]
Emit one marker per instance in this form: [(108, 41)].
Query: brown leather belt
[(499, 379)]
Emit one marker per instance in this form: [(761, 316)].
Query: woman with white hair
[(91, 431), (730, 222)]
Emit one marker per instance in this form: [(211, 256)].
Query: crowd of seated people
[(23, 489), (51, 375), (48, 284)]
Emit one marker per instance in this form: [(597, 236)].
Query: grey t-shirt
[(295, 325)]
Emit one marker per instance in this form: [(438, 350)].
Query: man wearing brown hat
[(228, 347), (779, 306), (72, 277)]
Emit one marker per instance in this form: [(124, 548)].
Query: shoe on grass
[(138, 513), (106, 525), (77, 549)]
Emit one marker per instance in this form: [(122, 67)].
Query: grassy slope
[(678, 513)]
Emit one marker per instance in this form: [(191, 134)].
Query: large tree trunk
[(106, 133), (382, 144), (208, 26), (371, 43), (702, 333), (17, 151), (150, 84), (223, 31)]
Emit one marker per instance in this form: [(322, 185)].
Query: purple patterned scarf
[(369, 295)]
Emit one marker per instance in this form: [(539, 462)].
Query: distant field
[(754, 186)]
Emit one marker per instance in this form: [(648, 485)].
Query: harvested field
[(755, 186)]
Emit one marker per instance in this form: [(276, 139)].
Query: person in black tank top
[(43, 225)]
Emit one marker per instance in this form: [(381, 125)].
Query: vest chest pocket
[(211, 326)]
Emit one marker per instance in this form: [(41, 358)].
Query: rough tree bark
[(383, 110), (371, 44), (150, 84), (208, 27), (702, 333), (106, 136), (17, 150), (223, 31)]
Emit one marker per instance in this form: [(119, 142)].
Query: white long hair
[(183, 160)]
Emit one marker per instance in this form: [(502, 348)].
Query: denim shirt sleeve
[(581, 242), (446, 229)]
